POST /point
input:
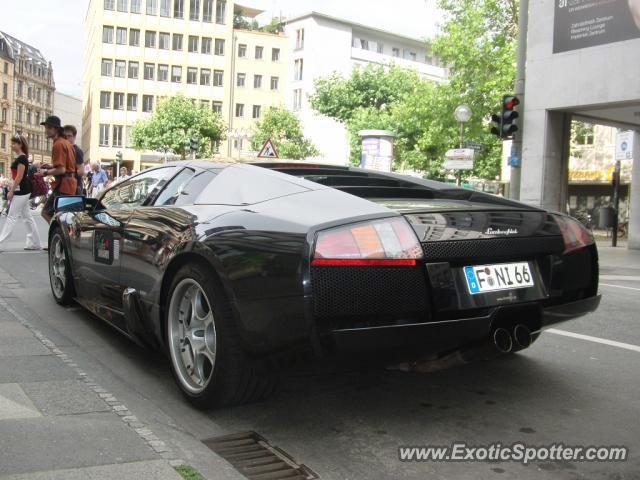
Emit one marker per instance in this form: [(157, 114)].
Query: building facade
[(6, 108), (69, 109), (321, 45), (141, 51), (581, 65), (30, 96)]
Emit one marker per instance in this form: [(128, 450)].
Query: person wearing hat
[(63, 160)]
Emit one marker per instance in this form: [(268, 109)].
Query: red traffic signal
[(509, 103)]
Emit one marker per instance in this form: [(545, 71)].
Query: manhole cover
[(252, 456)]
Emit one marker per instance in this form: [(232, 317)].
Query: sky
[(57, 28)]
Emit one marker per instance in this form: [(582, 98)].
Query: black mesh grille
[(379, 291), (492, 249)]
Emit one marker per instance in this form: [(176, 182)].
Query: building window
[(219, 46), (147, 103), (205, 76), (204, 103), (148, 71), (121, 36), (164, 41), (106, 68), (178, 8), (275, 83), (163, 73), (395, 51), (259, 52), (257, 81), (364, 44), (207, 11), (105, 99), (28, 116), (117, 136), (221, 11), (297, 99), (104, 135), (242, 50), (241, 80), (133, 70), (122, 5), (19, 115), (239, 110), (21, 87), (177, 41), (134, 37), (135, 6), (120, 70), (5, 90), (300, 39), (256, 111), (152, 7), (3, 140), (275, 54), (3, 119), (107, 34), (194, 10), (217, 107), (165, 8), (150, 39), (206, 45), (192, 76), (118, 101), (132, 102), (176, 74), (218, 76), (193, 44), (109, 4), (298, 68), (380, 47)]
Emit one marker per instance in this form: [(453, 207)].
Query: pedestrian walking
[(18, 196), (99, 180), (70, 133), (63, 160)]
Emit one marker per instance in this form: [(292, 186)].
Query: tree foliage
[(283, 128), (175, 121), (370, 87), (477, 43)]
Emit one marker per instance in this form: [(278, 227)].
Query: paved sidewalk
[(56, 423)]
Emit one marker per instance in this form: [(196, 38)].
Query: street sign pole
[(616, 203)]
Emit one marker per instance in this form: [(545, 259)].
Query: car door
[(98, 237)]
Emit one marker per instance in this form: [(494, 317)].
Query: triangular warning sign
[(268, 150)]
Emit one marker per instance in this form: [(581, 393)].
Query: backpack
[(39, 186)]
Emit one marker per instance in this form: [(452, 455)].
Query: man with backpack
[(63, 160), (70, 133)]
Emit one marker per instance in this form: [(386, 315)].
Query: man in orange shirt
[(63, 161)]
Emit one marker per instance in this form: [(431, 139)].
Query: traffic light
[(505, 123), (119, 156), (194, 144)]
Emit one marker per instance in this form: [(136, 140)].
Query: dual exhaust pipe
[(509, 340)]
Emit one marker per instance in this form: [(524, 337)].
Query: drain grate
[(252, 456)]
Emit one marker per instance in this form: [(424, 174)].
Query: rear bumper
[(445, 335)]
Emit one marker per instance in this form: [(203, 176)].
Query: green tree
[(478, 43), (284, 129), (374, 87), (175, 121)]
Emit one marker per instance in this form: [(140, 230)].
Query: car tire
[(204, 346), (60, 277)]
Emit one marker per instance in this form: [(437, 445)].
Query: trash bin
[(606, 216)]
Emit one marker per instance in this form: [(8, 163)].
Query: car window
[(194, 188), (175, 188), (133, 192)]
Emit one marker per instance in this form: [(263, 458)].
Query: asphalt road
[(568, 390)]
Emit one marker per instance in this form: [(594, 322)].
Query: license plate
[(504, 276)]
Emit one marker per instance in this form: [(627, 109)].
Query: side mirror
[(72, 203)]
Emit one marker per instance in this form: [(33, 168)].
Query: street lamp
[(462, 114)]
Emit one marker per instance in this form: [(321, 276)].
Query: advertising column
[(377, 149), (634, 196)]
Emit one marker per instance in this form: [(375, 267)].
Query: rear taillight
[(387, 242), (575, 234)]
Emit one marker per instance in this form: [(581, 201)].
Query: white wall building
[(69, 109), (321, 45)]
